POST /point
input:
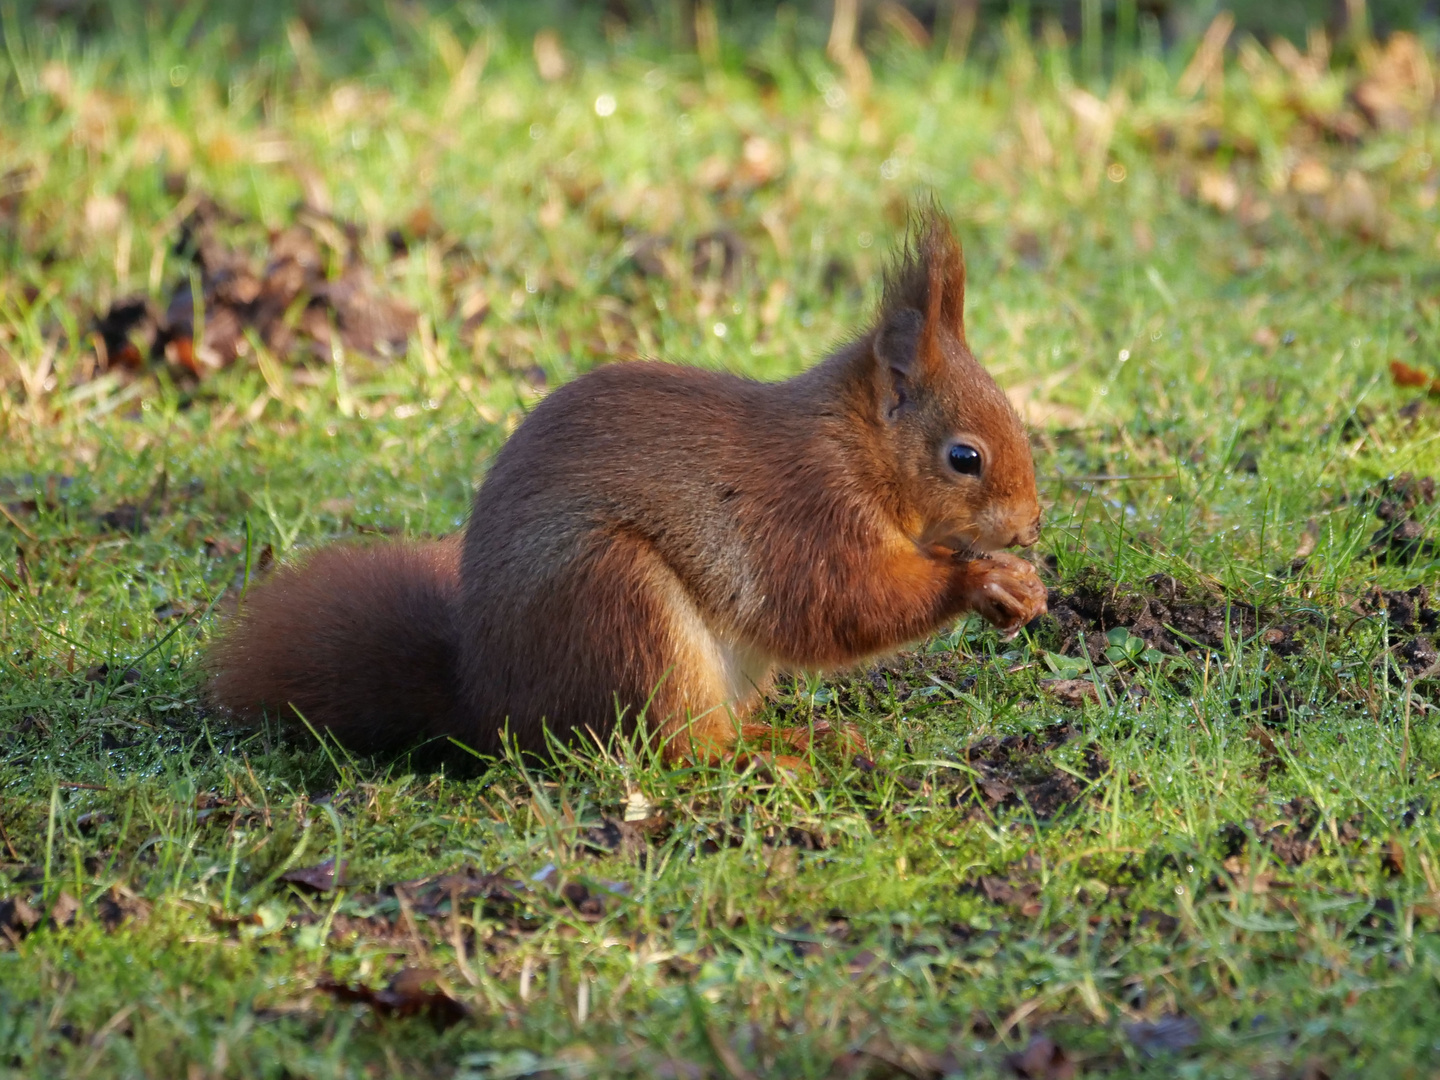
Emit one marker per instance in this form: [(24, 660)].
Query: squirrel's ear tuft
[(928, 276)]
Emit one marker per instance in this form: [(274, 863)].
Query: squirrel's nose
[(1026, 537)]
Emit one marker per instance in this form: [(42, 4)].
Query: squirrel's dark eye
[(964, 459)]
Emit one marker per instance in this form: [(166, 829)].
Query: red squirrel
[(655, 543)]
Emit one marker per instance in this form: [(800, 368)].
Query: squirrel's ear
[(924, 299), (898, 345)]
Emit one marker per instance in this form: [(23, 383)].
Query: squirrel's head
[(961, 458)]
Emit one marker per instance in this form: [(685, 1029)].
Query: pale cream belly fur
[(717, 681)]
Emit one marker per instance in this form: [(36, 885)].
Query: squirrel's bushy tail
[(360, 639)]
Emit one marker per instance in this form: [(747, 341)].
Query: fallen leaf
[(1218, 189), (997, 791), (1400, 86), (1042, 1059), (64, 909), (119, 905), (404, 996), (1268, 750), (1308, 539), (550, 59), (760, 162), (17, 914), (125, 334), (322, 878), (1022, 897), (219, 547), (1072, 692), (103, 214), (1354, 207), (1392, 859), (1248, 879), (1405, 375), (1169, 1034), (1311, 177)]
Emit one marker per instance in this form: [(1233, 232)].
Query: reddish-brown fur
[(659, 541)]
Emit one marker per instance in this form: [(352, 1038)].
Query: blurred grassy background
[(255, 25)]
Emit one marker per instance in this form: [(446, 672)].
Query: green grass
[(1188, 848)]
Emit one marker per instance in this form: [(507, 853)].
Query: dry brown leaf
[(1072, 692), (1405, 375), (1218, 189), (119, 906), (1042, 1059), (103, 214), (760, 161), (64, 910), (1169, 1034), (550, 59), (1354, 207), (17, 914), (714, 173), (322, 878), (404, 996), (1400, 87), (1308, 539), (1311, 177)]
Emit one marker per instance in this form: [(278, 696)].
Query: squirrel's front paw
[(1005, 590)]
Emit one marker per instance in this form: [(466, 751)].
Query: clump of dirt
[(311, 289), (1413, 619), (1294, 836), (1168, 618), (1400, 506), (1017, 771), (1408, 610)]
